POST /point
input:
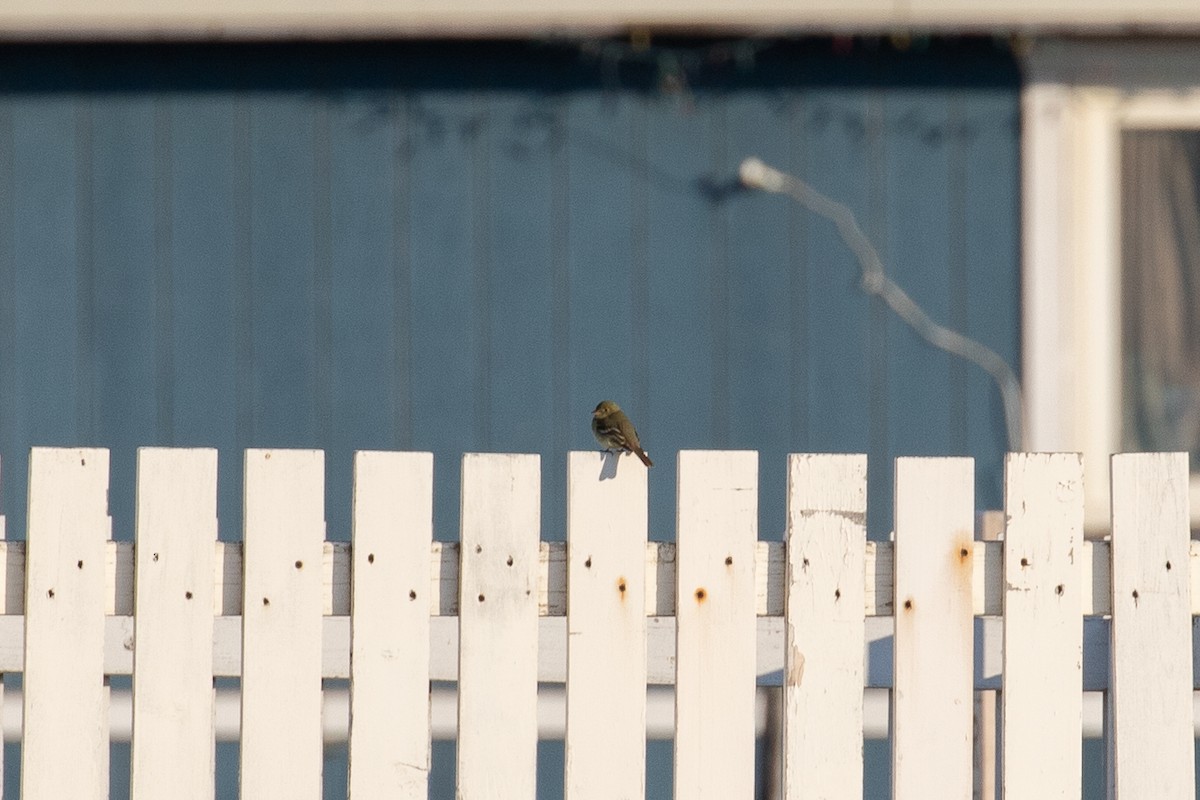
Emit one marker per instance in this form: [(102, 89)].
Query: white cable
[(757, 175)]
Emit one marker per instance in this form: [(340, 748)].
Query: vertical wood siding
[(456, 247)]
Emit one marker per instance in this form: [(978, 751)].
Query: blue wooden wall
[(458, 247)]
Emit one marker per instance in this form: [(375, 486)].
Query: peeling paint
[(795, 670), (853, 517)]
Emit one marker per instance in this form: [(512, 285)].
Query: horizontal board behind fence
[(770, 566), (660, 647), (118, 649), (551, 570)]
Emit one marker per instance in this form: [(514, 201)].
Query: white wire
[(757, 175)]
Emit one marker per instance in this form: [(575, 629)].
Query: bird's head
[(604, 408)]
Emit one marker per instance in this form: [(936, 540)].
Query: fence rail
[(986, 603), (931, 616)]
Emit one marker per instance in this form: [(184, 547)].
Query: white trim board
[(1078, 97), (276, 19)]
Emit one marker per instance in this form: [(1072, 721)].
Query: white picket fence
[(608, 613)]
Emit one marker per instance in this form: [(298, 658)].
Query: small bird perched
[(614, 431)]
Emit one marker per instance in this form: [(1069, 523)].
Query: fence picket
[(1043, 626), (281, 752), (389, 624), (65, 744), (716, 630), (172, 754), (934, 648), (824, 626), (1152, 736), (606, 628), (498, 627)]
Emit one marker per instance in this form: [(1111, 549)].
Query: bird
[(614, 431)]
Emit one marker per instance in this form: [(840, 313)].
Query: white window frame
[(1078, 98)]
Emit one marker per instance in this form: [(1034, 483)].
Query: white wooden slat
[(389, 657), (1043, 626), (172, 754), (606, 628), (65, 747), (715, 631), (824, 626), (1151, 695), (989, 527), (281, 753), (933, 649), (498, 627)]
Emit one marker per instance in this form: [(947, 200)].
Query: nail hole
[(1135, 594), (1168, 566), (621, 586), (1024, 562), (50, 594), (510, 561), (804, 563), (837, 594), (729, 561), (908, 604), (79, 564), (412, 594), (963, 553), (266, 602), (588, 563), (701, 594), (478, 548), (155, 556), (1058, 590), (83, 462), (370, 558), (299, 565), (481, 598), (187, 595)]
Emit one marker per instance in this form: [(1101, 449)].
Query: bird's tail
[(642, 455)]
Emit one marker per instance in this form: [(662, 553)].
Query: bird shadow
[(608, 464)]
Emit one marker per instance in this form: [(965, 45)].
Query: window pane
[(1160, 291)]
